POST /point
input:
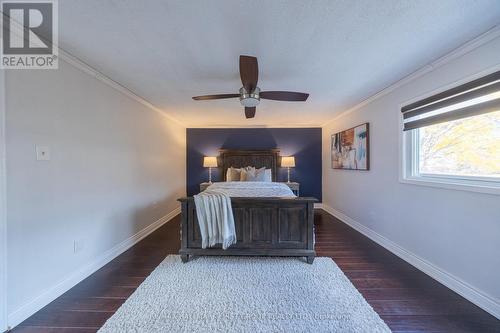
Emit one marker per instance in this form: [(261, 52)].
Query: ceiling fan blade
[(249, 72), (219, 96), (250, 112), (290, 96)]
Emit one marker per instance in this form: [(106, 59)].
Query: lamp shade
[(210, 162), (288, 161)]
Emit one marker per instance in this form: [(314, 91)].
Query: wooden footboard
[(264, 227)]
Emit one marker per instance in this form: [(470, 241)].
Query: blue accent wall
[(303, 143)]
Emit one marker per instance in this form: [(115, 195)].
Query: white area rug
[(231, 294)]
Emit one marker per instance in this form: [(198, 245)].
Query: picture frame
[(350, 148)]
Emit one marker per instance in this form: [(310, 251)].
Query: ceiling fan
[(250, 94)]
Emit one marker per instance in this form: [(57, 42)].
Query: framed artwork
[(350, 149)]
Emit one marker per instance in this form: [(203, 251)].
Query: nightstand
[(203, 186), (295, 187)]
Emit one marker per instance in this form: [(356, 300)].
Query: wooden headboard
[(242, 158)]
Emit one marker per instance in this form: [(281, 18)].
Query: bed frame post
[(310, 231), (184, 230)]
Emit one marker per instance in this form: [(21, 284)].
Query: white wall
[(116, 167), (452, 234)]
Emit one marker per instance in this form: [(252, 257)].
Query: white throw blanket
[(215, 214)]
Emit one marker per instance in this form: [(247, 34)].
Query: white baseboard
[(48, 295), (485, 302)]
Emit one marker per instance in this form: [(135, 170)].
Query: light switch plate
[(42, 153)]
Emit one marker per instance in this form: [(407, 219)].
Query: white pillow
[(244, 175), (268, 176), (245, 172), (233, 174), (256, 175)]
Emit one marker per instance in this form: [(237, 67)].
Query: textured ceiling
[(341, 52)]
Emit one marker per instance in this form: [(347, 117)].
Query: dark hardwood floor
[(405, 298)]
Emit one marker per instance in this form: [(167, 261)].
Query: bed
[(265, 226)]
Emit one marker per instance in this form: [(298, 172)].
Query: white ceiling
[(341, 52)]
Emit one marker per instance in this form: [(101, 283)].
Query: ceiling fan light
[(249, 102)]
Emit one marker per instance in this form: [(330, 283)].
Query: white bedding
[(214, 212), (251, 189)]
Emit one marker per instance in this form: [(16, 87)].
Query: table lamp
[(288, 162), (210, 162)]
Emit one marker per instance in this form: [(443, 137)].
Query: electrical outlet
[(42, 153), (78, 245)]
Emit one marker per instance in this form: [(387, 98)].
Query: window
[(453, 138)]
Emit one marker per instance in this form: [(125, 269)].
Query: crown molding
[(469, 46), (83, 66), (77, 63), (462, 50)]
